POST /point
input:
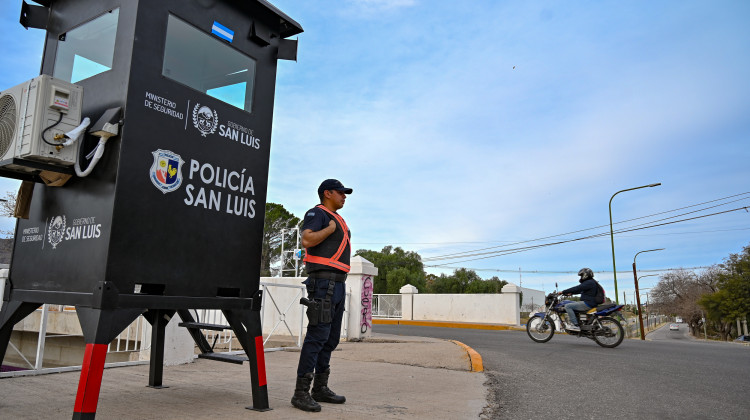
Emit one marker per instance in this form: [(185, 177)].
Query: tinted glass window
[(207, 64), (88, 49)]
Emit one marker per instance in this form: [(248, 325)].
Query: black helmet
[(585, 274)]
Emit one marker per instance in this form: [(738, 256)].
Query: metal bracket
[(34, 16), (287, 50), (260, 34)]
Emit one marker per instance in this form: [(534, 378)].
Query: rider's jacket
[(334, 252), (587, 289)]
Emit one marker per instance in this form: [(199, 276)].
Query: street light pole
[(637, 297), (612, 235), (638, 300)]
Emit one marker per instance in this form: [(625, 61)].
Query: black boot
[(301, 398), (322, 393)]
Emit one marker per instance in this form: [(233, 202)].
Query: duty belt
[(328, 275)]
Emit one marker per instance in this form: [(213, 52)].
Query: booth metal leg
[(90, 382), (247, 329), (11, 314), (100, 327), (158, 319)]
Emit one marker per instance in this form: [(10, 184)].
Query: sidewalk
[(384, 377)]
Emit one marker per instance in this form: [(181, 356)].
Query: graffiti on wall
[(366, 300)]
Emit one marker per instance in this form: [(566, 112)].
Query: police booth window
[(207, 64), (88, 49)]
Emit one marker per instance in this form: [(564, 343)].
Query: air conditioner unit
[(31, 114)]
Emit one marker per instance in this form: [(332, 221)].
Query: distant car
[(674, 327), (744, 338), (678, 320)]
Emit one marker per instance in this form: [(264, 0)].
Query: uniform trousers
[(322, 339)]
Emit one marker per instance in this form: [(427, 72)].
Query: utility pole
[(637, 294)]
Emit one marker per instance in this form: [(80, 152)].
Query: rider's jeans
[(580, 306)]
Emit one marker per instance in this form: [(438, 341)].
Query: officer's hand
[(332, 224)]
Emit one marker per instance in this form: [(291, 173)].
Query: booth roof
[(287, 26)]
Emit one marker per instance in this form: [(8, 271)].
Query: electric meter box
[(31, 114), (175, 207)]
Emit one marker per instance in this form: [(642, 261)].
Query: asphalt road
[(570, 377), (664, 333)]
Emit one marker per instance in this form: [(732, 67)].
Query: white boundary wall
[(532, 297), (358, 311), (501, 308)]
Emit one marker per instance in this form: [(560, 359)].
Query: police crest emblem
[(166, 171)]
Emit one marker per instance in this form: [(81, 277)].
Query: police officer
[(326, 239)]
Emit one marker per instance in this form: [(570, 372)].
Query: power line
[(485, 255), (462, 254), (687, 233), (516, 242), (597, 227), (499, 270), (491, 242)]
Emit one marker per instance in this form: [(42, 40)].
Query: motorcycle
[(597, 324)]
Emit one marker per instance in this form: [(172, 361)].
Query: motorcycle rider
[(589, 290)]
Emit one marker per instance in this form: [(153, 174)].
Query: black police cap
[(333, 184)]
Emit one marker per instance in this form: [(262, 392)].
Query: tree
[(8, 204), (493, 285), (679, 291), (464, 281), (717, 311), (276, 219), (735, 281), (731, 299), (7, 209), (396, 268)]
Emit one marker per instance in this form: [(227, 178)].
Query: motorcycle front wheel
[(540, 330), (608, 332)]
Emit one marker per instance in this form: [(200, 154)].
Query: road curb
[(474, 357), (447, 324)]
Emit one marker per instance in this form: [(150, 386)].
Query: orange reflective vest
[(334, 260)]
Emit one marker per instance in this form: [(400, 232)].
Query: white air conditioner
[(31, 114)]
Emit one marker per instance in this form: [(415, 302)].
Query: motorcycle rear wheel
[(540, 330), (609, 334)]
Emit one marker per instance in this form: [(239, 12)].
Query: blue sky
[(417, 106)]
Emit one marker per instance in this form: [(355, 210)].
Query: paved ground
[(651, 379), (385, 377)]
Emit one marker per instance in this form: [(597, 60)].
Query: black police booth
[(171, 218)]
